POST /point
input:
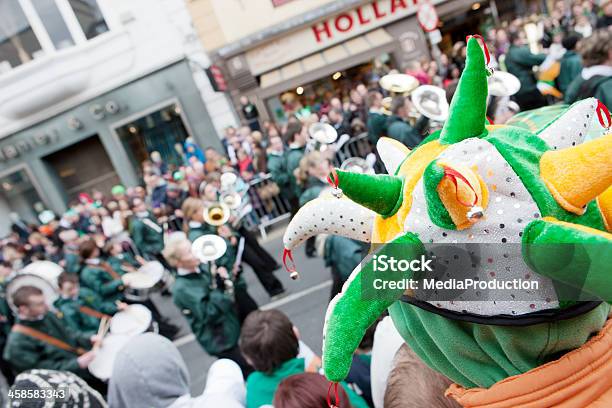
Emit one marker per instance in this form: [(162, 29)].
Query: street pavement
[(305, 304)]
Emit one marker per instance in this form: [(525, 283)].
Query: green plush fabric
[(358, 307), (469, 105), (478, 355), (380, 193), (536, 120), (435, 208), (571, 256), (523, 150)]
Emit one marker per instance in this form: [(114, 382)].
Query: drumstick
[(102, 329)]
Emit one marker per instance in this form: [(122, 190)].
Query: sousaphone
[(503, 84), (216, 214), (208, 248), (399, 84), (357, 165), (430, 101)]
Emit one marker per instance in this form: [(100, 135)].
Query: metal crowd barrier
[(269, 207), (359, 146)]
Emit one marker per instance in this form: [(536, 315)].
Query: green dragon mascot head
[(474, 183)]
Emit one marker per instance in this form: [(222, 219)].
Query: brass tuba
[(216, 214)]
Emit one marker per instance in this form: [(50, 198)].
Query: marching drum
[(124, 325), (134, 320), (102, 365), (144, 281), (47, 270)]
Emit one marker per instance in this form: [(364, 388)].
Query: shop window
[(89, 16), (54, 23), (158, 131), (18, 44), (17, 194)]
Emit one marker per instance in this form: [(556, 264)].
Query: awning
[(341, 56)]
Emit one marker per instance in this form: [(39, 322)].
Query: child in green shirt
[(269, 342)]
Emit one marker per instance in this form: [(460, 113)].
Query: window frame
[(71, 21)]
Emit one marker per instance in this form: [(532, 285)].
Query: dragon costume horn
[(380, 193), (469, 105), (576, 175)]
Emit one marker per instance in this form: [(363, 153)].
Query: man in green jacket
[(296, 137), (398, 127), (209, 311), (70, 238), (146, 233), (277, 167), (27, 349), (82, 308), (596, 77), (571, 62), (99, 276), (377, 120), (520, 62)]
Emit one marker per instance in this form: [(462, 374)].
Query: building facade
[(273, 50), (89, 88)]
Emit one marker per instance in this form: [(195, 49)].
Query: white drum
[(47, 270), (142, 282), (102, 365), (134, 320)]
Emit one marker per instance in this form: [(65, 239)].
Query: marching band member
[(99, 276), (209, 311), (82, 308), (397, 124), (40, 339), (193, 211), (147, 234), (229, 266), (119, 259), (296, 137), (377, 120)]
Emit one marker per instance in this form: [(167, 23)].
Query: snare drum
[(47, 270), (134, 320), (124, 325), (143, 282), (102, 365)]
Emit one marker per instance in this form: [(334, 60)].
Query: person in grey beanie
[(149, 372)]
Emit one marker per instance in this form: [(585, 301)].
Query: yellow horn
[(577, 175)]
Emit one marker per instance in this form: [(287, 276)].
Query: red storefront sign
[(359, 18), (217, 80)]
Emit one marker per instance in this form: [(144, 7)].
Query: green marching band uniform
[(294, 155), (401, 131), (83, 313), (197, 229), (377, 126), (103, 280), (24, 352), (117, 261), (277, 167), (313, 188), (210, 312), (147, 235)]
